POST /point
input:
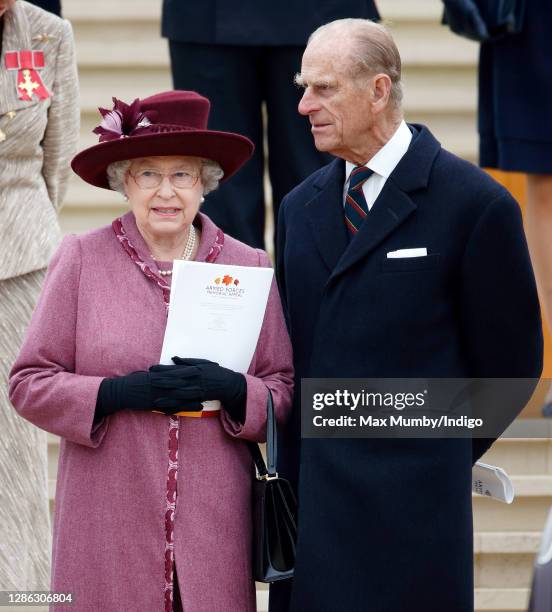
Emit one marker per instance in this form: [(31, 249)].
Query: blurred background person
[(515, 99), (39, 126), (240, 55), (515, 95)]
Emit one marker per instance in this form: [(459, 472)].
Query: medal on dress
[(27, 64)]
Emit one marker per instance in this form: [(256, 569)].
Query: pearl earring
[(202, 199), (125, 197)]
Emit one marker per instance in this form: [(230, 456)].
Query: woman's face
[(5, 5), (168, 208)]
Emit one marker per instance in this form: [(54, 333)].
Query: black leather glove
[(168, 391), (212, 382)]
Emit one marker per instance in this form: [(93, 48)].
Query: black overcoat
[(386, 525)]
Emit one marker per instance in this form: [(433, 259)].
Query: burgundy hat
[(169, 123)]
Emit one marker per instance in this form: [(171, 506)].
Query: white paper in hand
[(216, 312), (493, 482)]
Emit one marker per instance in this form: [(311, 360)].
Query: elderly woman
[(39, 127), (152, 510)]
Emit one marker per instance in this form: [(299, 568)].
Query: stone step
[(99, 85), (526, 456), (503, 571), (505, 560), (428, 43), (528, 512), (75, 220), (100, 11), (501, 600), (507, 542), (83, 194), (122, 43)]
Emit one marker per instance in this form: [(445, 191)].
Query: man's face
[(339, 110)]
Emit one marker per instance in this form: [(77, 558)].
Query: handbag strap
[(267, 470), (271, 442)]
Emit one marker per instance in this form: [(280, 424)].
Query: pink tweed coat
[(117, 493)]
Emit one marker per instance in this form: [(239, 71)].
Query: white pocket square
[(402, 253)]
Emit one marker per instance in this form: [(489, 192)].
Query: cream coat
[(37, 140)]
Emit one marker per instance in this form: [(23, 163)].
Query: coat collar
[(392, 207), (207, 241), (325, 213)]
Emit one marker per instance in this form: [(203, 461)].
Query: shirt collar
[(387, 158)]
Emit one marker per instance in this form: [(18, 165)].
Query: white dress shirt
[(383, 163)]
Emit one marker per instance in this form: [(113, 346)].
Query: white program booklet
[(216, 312), (492, 481)]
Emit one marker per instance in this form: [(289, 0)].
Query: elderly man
[(386, 525)]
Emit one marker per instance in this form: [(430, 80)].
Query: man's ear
[(380, 92)]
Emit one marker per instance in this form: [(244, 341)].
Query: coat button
[(2, 136)]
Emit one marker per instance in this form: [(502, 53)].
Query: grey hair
[(372, 51), (210, 173), (116, 175)]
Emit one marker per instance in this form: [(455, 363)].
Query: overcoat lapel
[(325, 214), (392, 207)]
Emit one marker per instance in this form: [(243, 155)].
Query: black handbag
[(484, 20), (274, 512)]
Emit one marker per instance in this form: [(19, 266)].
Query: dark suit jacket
[(386, 525), (255, 22)]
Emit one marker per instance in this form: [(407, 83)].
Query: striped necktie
[(356, 208)]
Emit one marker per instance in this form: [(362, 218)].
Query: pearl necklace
[(188, 250)]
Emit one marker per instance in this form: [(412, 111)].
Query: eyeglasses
[(149, 179)]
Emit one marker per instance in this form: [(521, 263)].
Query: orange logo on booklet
[(227, 280)]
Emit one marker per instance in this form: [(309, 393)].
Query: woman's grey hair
[(210, 172), (372, 51)]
